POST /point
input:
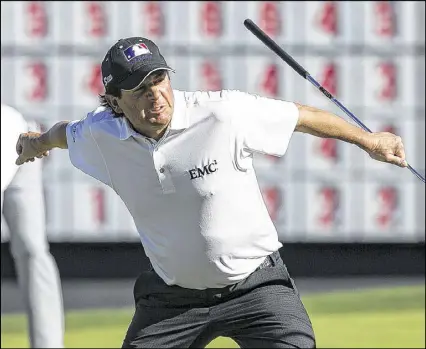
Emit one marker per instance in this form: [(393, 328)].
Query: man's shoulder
[(101, 121), (13, 119), (99, 115), (102, 118), (221, 104), (205, 98)]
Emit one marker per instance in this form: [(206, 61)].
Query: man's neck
[(153, 134)]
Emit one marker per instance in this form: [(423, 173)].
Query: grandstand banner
[(370, 54)]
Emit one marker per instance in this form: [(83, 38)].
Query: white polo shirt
[(193, 195), (12, 125)]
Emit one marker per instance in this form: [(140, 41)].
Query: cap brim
[(139, 76)]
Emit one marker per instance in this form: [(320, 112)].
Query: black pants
[(262, 311)]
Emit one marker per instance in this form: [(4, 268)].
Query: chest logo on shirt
[(200, 172)]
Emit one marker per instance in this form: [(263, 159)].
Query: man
[(23, 210), (183, 165)]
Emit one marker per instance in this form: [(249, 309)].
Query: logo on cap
[(136, 50), (107, 79)]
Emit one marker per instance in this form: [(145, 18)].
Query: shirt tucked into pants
[(261, 311)]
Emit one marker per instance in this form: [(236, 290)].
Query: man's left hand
[(386, 147)]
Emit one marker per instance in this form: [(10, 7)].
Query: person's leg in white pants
[(37, 272)]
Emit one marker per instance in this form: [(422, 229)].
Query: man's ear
[(113, 103)]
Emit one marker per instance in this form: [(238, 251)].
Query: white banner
[(368, 54)]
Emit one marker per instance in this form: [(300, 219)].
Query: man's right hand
[(30, 146)]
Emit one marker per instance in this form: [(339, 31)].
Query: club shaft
[(335, 101), (262, 36), (354, 118)]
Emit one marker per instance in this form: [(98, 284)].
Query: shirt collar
[(179, 119)]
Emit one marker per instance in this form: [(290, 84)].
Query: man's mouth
[(157, 110)]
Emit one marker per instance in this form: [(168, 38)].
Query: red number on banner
[(94, 81), (390, 128), (384, 18), (270, 20), (211, 18), (388, 202), (328, 17), (36, 19), (329, 78), (211, 77), (388, 84), (329, 204), (97, 19), (272, 198), (38, 78), (270, 80), (328, 148), (154, 19), (98, 199)]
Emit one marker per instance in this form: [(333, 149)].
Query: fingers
[(19, 145), (396, 160), (19, 161), (400, 151), (42, 155), (392, 150), (19, 149), (23, 149)]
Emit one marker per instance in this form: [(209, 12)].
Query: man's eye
[(160, 78), (140, 92), (157, 81)]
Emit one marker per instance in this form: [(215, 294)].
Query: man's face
[(149, 107)]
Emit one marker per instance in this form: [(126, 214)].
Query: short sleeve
[(84, 151), (263, 125)]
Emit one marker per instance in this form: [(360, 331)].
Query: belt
[(269, 261)]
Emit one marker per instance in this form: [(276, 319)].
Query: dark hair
[(115, 92), (103, 101)]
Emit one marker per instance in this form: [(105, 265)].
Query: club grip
[(261, 35)]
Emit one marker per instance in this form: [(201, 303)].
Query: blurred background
[(346, 221)]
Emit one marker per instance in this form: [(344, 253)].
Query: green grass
[(377, 318)]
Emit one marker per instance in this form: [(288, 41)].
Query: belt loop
[(269, 261), (271, 258), (275, 257)]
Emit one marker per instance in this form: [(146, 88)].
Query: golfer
[(23, 212), (182, 162)]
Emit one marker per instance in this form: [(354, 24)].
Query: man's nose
[(153, 93)]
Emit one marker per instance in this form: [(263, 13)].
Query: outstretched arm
[(78, 137), (381, 146), (33, 145)]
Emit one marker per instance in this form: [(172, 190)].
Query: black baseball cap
[(130, 61)]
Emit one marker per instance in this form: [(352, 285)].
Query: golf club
[(262, 36)]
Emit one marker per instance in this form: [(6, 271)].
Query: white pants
[(37, 272)]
